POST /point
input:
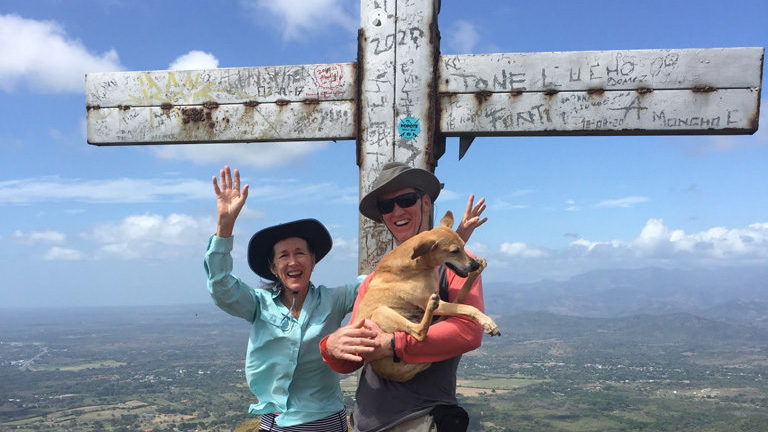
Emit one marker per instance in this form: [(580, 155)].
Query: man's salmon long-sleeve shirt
[(445, 339)]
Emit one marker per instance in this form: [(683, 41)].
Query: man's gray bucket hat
[(395, 176)]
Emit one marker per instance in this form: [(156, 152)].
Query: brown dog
[(403, 293)]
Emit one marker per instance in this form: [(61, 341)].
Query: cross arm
[(271, 103), (684, 91)]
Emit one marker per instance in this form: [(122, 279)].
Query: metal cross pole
[(401, 98), (398, 48)]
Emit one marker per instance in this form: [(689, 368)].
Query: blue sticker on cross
[(408, 128)]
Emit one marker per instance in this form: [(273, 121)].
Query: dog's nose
[(474, 265)]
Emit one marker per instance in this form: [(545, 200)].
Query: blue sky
[(83, 225)]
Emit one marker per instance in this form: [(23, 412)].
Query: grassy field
[(79, 367), (493, 384)]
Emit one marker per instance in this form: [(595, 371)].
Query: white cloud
[(501, 204), (510, 200), (750, 242), (299, 19), (257, 155), (625, 202), (36, 237), (521, 250), (48, 189), (41, 56), (571, 205), (462, 37), (151, 236), (124, 190), (656, 241), (301, 192), (57, 253), (653, 236), (590, 246), (149, 227), (195, 60), (656, 246)]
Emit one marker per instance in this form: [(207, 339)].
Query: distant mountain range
[(738, 296)]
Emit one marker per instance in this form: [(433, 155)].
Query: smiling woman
[(286, 255), (289, 317)]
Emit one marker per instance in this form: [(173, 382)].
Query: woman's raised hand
[(229, 200)]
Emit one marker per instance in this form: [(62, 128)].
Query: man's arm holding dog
[(453, 336), (345, 349)]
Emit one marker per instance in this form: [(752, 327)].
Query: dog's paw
[(434, 302), (490, 327), (483, 263)]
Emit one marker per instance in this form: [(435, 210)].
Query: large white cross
[(401, 98)]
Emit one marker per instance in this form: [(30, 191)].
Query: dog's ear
[(447, 220), (423, 248)]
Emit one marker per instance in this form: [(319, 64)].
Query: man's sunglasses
[(403, 201)]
